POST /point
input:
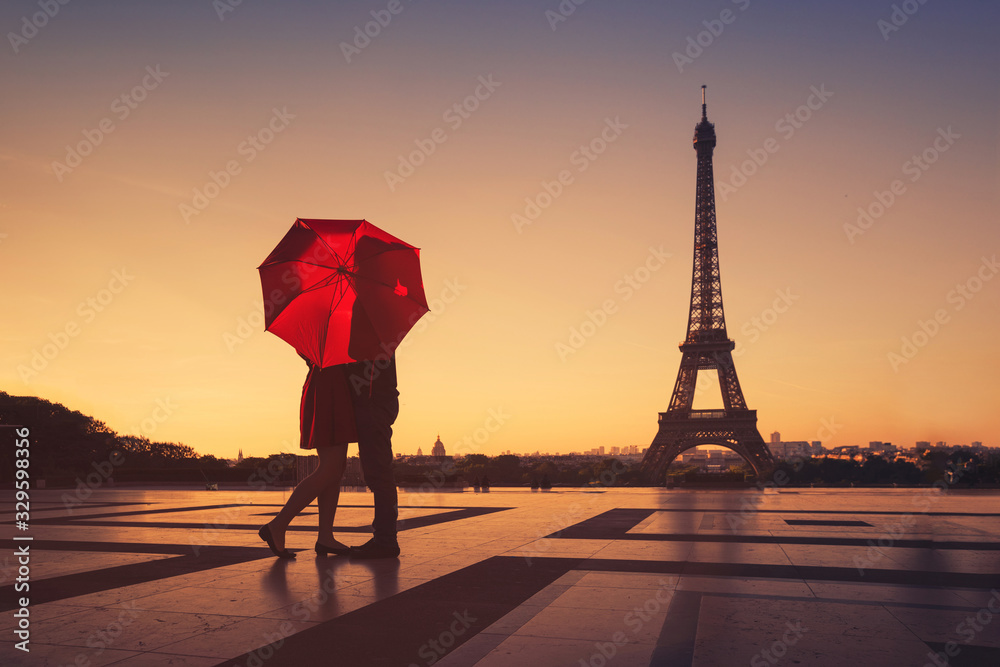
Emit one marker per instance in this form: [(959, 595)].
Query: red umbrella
[(341, 290)]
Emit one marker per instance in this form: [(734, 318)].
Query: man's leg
[(374, 416)]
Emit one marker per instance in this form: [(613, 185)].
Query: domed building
[(438, 449)]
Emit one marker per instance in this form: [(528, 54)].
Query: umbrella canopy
[(341, 290)]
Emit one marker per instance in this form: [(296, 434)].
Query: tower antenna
[(704, 112)]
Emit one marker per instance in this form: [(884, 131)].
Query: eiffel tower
[(707, 347)]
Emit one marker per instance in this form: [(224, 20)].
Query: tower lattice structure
[(706, 347)]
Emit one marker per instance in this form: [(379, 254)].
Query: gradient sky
[(157, 358)]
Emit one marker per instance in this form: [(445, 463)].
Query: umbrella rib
[(323, 241), (342, 289), (302, 261)]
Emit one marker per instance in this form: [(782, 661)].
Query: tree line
[(68, 443)]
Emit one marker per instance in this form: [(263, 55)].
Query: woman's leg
[(308, 489), (329, 497)]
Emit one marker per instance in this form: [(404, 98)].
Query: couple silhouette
[(344, 403)]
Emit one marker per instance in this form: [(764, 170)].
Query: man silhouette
[(376, 405)]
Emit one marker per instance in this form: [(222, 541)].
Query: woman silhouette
[(326, 425)]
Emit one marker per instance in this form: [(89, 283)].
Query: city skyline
[(542, 162)]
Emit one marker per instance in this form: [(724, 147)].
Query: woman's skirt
[(326, 416)]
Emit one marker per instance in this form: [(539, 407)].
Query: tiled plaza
[(513, 577)]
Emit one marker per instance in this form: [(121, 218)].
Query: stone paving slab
[(513, 577)]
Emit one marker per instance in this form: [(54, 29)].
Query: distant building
[(712, 460), (883, 447), (775, 437), (420, 452), (438, 448), (239, 457), (790, 449)]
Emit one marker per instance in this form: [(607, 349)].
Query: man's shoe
[(372, 549)]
